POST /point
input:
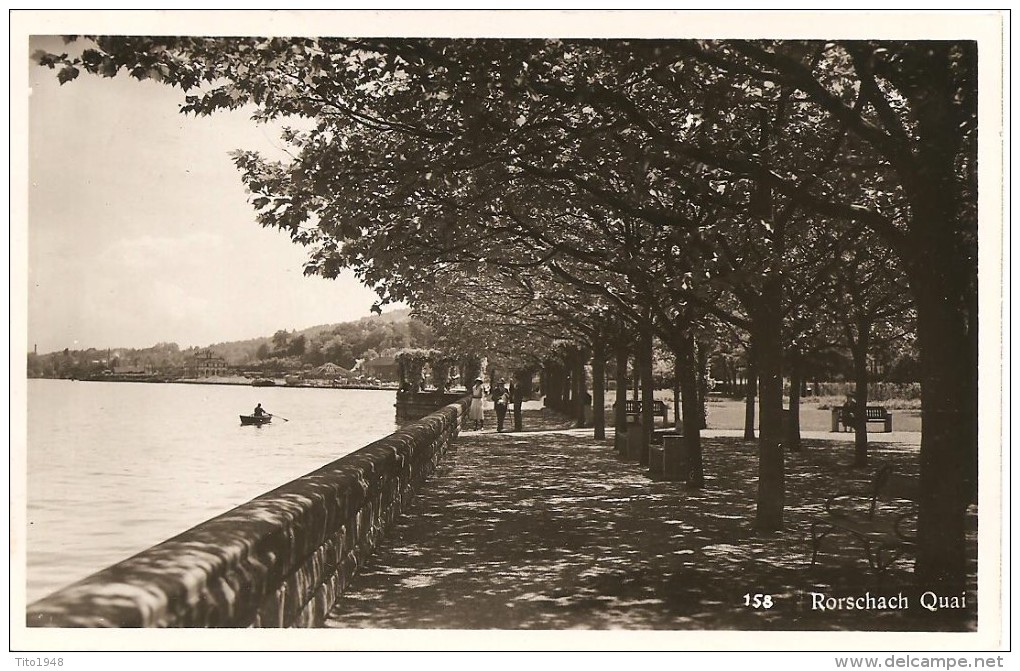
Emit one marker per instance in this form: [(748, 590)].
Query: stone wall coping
[(221, 572)]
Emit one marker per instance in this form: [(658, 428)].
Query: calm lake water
[(114, 468)]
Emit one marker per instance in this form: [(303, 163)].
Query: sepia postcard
[(516, 330)]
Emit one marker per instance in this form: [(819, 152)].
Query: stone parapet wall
[(412, 406), (280, 560)]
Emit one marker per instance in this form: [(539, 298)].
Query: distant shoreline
[(233, 383)]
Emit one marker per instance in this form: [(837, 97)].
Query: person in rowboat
[(259, 412)]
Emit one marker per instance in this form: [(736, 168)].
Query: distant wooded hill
[(343, 344)]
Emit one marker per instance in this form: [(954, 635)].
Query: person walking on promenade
[(849, 412), (476, 412), (500, 401), (519, 389)]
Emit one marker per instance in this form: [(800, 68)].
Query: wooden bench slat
[(879, 527), (633, 407), (872, 413), (882, 529)]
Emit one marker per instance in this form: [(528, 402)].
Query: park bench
[(633, 409), (873, 413), (883, 520)]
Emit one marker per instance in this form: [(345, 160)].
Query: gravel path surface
[(547, 529)]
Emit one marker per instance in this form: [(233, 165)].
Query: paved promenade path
[(546, 529)]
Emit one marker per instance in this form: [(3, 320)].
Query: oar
[(283, 418)]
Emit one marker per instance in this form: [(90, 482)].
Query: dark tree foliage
[(677, 179)]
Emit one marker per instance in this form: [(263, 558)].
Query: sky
[(140, 230)]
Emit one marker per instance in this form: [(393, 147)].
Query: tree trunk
[(941, 259), (677, 371), (558, 387), (860, 354), (647, 392), (948, 348), (727, 378), (598, 388), (766, 317), (466, 372), (702, 371), (550, 387), (750, 398), (545, 383), (637, 373), (522, 390), (793, 418), (560, 390), (566, 386), (580, 390), (693, 408), (768, 352), (620, 416)]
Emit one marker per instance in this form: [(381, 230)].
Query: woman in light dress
[(476, 413)]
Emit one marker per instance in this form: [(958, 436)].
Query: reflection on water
[(114, 468)]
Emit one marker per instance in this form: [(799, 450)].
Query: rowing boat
[(256, 420)]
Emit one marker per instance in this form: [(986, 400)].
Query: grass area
[(727, 413), (823, 402), (826, 402)]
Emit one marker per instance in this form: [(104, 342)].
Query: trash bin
[(620, 443), (635, 439), (674, 458), (655, 462)]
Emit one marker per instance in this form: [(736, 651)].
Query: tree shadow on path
[(548, 530)]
